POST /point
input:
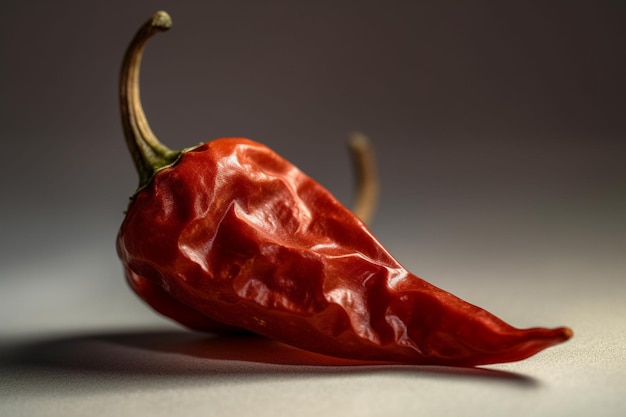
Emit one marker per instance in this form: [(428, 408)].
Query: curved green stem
[(149, 154)]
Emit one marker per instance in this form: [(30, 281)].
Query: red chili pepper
[(228, 235)]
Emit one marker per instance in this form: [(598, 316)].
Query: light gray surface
[(77, 346), (500, 135)]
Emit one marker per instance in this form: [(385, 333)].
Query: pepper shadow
[(172, 354)]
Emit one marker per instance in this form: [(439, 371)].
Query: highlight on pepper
[(228, 236)]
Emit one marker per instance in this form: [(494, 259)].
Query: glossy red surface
[(235, 237)]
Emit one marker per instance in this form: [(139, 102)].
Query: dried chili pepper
[(228, 235)]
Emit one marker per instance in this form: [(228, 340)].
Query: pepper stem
[(148, 153), (367, 188)]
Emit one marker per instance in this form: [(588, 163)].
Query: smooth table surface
[(80, 343)]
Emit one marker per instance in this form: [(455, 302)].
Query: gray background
[(493, 123), (499, 129)]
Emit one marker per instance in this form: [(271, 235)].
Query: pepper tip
[(567, 333)]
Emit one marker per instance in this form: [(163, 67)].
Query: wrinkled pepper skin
[(232, 236)]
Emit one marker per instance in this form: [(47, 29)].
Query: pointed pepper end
[(565, 333)]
